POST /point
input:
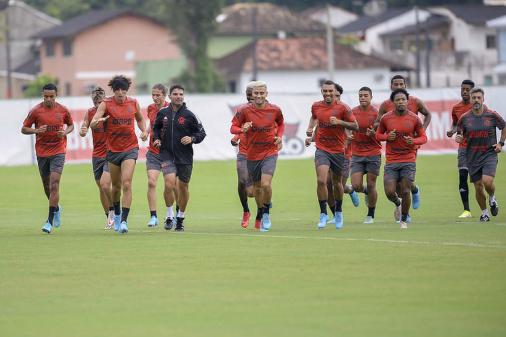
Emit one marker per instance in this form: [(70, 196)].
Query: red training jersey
[(388, 105), (362, 144), (398, 150), (152, 112), (457, 111), (267, 122), (99, 135), (48, 143), (329, 137), (120, 127)]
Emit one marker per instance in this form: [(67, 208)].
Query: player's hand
[(41, 129), (186, 140), (370, 131), (277, 140), (350, 136), (309, 132), (308, 141), (61, 133), (335, 121), (83, 131), (459, 138), (280, 146), (157, 143), (246, 126), (392, 135), (449, 133), (234, 141), (497, 148), (143, 136), (103, 119), (408, 140)]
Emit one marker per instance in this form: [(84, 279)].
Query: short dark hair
[(161, 87), (339, 88), (119, 82), (327, 82), (475, 90), (175, 86), (398, 91), (397, 77), (468, 82), (50, 86), (365, 89)]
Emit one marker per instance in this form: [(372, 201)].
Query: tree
[(34, 88)]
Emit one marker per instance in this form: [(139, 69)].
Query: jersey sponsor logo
[(52, 128), (121, 121)]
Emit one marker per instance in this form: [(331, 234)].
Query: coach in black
[(175, 130)]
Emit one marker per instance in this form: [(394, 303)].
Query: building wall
[(304, 82), (109, 49)]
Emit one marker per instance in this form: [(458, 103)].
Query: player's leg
[(169, 179), (322, 174), (151, 195), (463, 185), (488, 184), (127, 172), (391, 176)]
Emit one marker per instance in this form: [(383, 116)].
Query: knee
[(357, 186), (321, 182), (54, 186), (371, 186), (151, 183), (127, 185)]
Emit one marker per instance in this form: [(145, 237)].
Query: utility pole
[(330, 46), (417, 41), (4, 5), (255, 39), (428, 50)]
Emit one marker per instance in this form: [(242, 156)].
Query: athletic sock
[(338, 206), (124, 213), (177, 208), (57, 208), (244, 203), (111, 209), (492, 199), (404, 217), (259, 213), (266, 208), (464, 189), (323, 206), (371, 211), (50, 215), (170, 212), (414, 189), (180, 214), (153, 213), (117, 210)]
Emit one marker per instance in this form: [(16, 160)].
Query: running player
[(99, 161), (478, 128), (175, 129), (153, 160), (331, 118), (366, 151), (119, 112), (457, 111), (403, 132), (49, 118), (263, 124), (416, 106)]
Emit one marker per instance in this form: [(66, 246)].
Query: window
[(488, 80), (490, 42), (49, 48), (396, 45), (68, 89), (67, 47), (232, 86), (502, 79)]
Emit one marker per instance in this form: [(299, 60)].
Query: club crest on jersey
[(181, 120)]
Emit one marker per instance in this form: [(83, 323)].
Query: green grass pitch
[(441, 277)]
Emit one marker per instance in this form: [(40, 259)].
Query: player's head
[(364, 96), (97, 96), (158, 93), (400, 99), (49, 93), (477, 98), (397, 82), (176, 95), (249, 91), (119, 85), (338, 91), (259, 93), (465, 90), (328, 91)]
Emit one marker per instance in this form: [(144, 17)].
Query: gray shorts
[(242, 170), (486, 168), (117, 158), (335, 161), (51, 164), (462, 159), (265, 166), (183, 171), (100, 165), (154, 162), (397, 171), (346, 168), (366, 164)]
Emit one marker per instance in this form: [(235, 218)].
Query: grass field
[(441, 277)]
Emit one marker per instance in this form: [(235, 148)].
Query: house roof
[(86, 21), (434, 21), (477, 15), (237, 20), (299, 54), (365, 22), (32, 67)]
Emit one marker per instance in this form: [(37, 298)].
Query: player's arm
[(99, 116), (27, 129), (280, 122), (420, 136), (453, 130), (427, 116), (311, 126), (381, 112), (157, 128), (382, 135), (84, 128), (141, 122), (198, 132), (350, 123), (70, 125), (500, 124)]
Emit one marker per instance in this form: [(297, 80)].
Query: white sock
[(180, 214), (485, 212), (492, 199), (170, 212)]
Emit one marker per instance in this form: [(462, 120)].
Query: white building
[(500, 69)]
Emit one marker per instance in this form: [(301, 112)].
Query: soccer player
[(478, 128), (119, 113), (263, 124), (153, 160), (366, 151), (416, 106), (403, 132), (244, 182), (457, 111), (175, 129), (49, 119), (331, 118), (99, 161)]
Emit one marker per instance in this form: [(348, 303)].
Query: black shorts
[(51, 164), (366, 164), (117, 158), (100, 165), (397, 171), (265, 166), (335, 161), (182, 171)]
